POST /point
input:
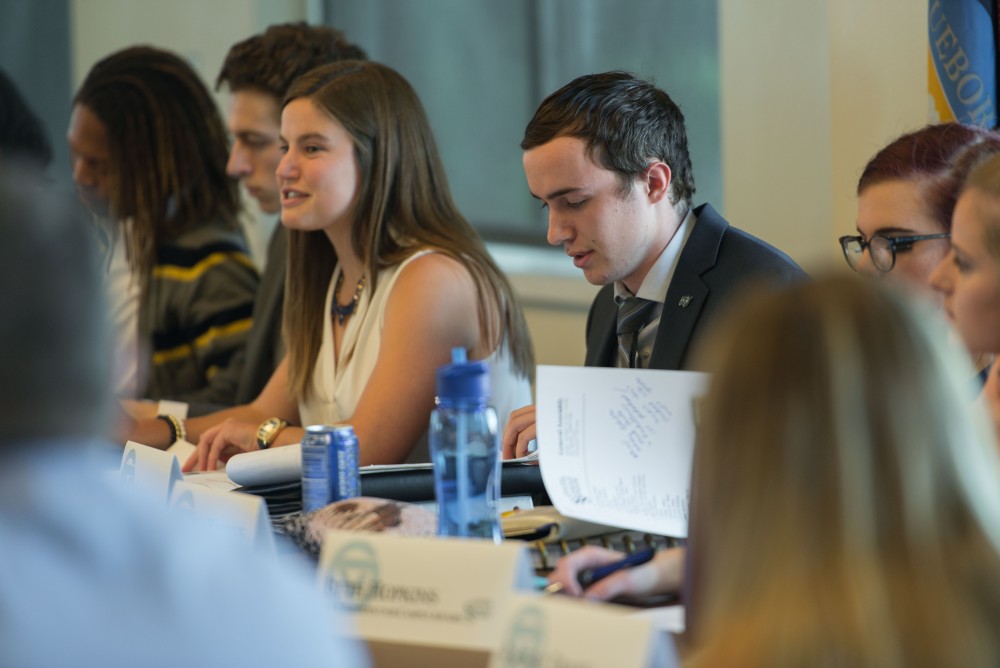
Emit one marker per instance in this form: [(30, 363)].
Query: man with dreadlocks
[(149, 155)]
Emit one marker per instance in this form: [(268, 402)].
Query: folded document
[(545, 523), (265, 467)]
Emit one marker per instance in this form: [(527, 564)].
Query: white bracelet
[(178, 409)]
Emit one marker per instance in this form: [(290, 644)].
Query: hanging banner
[(962, 73)]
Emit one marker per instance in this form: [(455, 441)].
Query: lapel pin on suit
[(685, 300)]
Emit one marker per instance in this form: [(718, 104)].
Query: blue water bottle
[(465, 451)]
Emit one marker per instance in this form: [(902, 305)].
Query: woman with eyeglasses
[(906, 195)]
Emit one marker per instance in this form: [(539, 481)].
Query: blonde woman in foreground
[(845, 502)]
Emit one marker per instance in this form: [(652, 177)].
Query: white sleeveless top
[(337, 388)]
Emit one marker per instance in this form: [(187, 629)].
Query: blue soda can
[(329, 465)]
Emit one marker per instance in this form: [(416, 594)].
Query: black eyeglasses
[(882, 250)]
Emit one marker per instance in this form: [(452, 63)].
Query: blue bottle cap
[(463, 381)]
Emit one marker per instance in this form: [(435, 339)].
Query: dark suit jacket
[(264, 349), (715, 263)]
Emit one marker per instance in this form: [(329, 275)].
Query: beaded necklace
[(343, 312)]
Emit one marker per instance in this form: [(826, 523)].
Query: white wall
[(199, 30), (879, 83), (810, 90), (555, 303)]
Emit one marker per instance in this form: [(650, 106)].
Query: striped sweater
[(197, 313)]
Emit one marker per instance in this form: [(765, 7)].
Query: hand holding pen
[(589, 576), (591, 568)]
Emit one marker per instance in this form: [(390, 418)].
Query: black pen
[(589, 576)]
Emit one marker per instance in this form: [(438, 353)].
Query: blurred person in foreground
[(857, 522), (94, 575)]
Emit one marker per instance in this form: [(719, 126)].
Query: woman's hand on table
[(663, 575), (221, 442)]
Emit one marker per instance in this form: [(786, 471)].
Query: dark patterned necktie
[(632, 314)]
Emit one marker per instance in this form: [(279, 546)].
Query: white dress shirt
[(654, 288)]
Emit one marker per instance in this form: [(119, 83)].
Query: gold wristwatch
[(268, 431)]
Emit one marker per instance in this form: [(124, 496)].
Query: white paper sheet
[(217, 480), (266, 467), (669, 618), (616, 444)]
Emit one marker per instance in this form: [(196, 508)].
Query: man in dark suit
[(607, 156)]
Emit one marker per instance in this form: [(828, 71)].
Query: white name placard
[(242, 514), (440, 592), (149, 471), (561, 631)]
